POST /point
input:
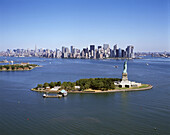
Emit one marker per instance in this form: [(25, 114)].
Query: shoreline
[(115, 90), (15, 70), (10, 70), (99, 91)]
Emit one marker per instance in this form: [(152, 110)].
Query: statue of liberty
[(125, 67)]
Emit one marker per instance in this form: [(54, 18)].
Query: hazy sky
[(55, 23)]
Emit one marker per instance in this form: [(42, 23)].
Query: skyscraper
[(129, 51), (63, 49), (71, 49), (35, 48), (92, 47), (105, 46), (115, 47), (99, 47), (66, 50), (92, 51)]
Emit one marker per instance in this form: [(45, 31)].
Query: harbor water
[(25, 112)]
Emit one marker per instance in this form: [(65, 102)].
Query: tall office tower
[(47, 53), (35, 48), (115, 47), (74, 51), (18, 50), (132, 52), (71, 49), (86, 50), (105, 46), (8, 51), (123, 53), (58, 53), (66, 50), (92, 47), (63, 49), (28, 51), (120, 52), (53, 54), (129, 51), (114, 50), (77, 50), (99, 47), (82, 54), (92, 51)]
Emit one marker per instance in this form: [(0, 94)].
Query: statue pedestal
[(124, 77)]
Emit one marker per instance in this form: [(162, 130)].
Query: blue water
[(24, 112)]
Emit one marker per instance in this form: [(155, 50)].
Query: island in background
[(18, 67), (94, 85)]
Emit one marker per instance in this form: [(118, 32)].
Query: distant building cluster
[(153, 54), (93, 52)]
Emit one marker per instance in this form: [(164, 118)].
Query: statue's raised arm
[(125, 67)]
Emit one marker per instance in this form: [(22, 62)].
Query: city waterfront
[(141, 112)]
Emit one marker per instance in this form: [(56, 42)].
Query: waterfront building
[(92, 47), (82, 54), (71, 49), (58, 53), (65, 55), (123, 54), (35, 49), (91, 53), (115, 47), (63, 49), (129, 51), (105, 46), (66, 50), (99, 47)]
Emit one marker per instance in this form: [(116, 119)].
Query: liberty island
[(94, 85)]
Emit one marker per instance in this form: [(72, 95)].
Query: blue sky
[(55, 23)]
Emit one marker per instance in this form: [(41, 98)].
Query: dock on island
[(62, 93), (52, 96)]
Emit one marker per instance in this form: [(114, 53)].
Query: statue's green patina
[(125, 67)]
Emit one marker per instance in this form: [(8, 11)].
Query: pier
[(52, 96), (62, 93)]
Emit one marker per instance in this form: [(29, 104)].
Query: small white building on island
[(56, 88)]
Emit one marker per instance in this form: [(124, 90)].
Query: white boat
[(44, 95)]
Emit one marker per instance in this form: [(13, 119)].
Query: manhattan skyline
[(52, 24)]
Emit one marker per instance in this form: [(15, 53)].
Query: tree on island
[(57, 83), (39, 86), (68, 85), (51, 84), (17, 66), (92, 83), (6, 66), (13, 67), (46, 85)]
